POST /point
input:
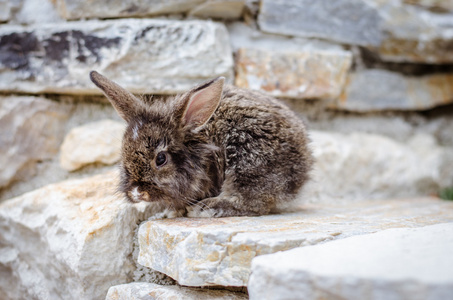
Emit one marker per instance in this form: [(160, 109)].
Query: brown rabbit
[(215, 150)]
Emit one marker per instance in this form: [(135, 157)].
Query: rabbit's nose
[(136, 196)]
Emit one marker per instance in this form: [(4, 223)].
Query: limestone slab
[(31, 131), (151, 291), (71, 240), (309, 74), (143, 55), (97, 142), (375, 90), (409, 263), (206, 252)]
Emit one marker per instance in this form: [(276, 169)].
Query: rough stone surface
[(204, 252), (223, 9), (5, 10), (346, 21), (314, 74), (219, 9), (150, 291), (31, 131), (360, 166), (374, 90), (398, 32), (98, 142), (143, 55), (413, 263), (71, 240)]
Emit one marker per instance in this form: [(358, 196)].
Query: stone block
[(143, 55), (219, 9), (222, 9), (308, 74), (377, 90), (151, 291), (98, 142), (356, 166), (346, 21), (207, 252), (71, 240), (409, 263), (396, 31), (31, 131), (73, 9)]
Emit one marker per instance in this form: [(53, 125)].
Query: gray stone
[(311, 74), (376, 90), (206, 252), (396, 31), (97, 142), (71, 240), (32, 130), (5, 10), (410, 263), (346, 21), (356, 166), (145, 56), (151, 291)]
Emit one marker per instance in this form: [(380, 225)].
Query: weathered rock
[(73, 9), (204, 252), (143, 55), (5, 10), (31, 131), (311, 74), (398, 32), (413, 263), (375, 90), (71, 240), (98, 142), (368, 166), (346, 21), (220, 9), (151, 291), (224, 9)]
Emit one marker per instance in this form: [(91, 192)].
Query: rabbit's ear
[(202, 103), (124, 102)]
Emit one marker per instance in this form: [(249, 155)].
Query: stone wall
[(369, 66), (373, 79)]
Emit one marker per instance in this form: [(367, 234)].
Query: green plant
[(446, 193)]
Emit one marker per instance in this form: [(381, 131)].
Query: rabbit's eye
[(161, 159)]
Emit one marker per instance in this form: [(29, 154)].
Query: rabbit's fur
[(213, 151)]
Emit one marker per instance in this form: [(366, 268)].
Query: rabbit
[(214, 151)]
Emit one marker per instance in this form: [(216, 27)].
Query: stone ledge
[(71, 240), (409, 263), (142, 55), (206, 252)]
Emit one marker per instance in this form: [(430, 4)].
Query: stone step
[(209, 252), (71, 240), (151, 291), (409, 263), (143, 55)]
